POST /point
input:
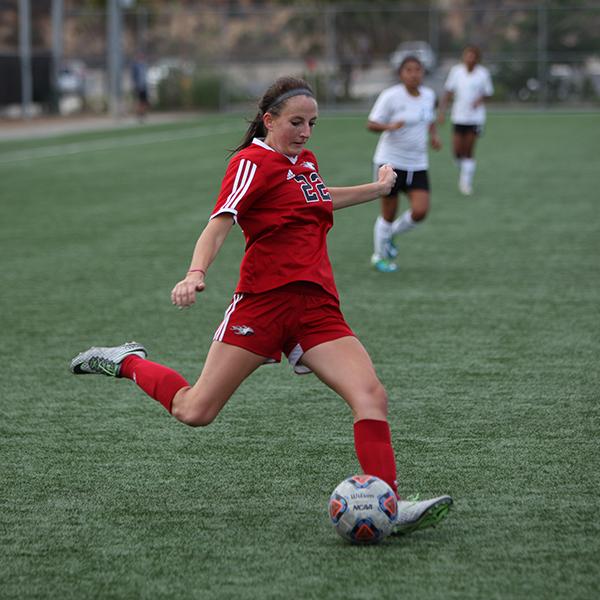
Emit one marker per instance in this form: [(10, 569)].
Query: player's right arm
[(241, 186), (207, 247), (380, 117), (379, 127)]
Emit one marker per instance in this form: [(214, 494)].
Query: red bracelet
[(198, 271)]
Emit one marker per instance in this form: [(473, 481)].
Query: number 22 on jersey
[(313, 188)]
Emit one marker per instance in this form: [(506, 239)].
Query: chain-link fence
[(541, 55)]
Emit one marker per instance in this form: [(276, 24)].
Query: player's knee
[(419, 214), (377, 398), (197, 418), (194, 414)]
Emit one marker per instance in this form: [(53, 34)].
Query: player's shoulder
[(256, 153), (427, 92), (482, 70), (393, 91), (455, 75)]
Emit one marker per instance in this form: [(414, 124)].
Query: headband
[(289, 94)]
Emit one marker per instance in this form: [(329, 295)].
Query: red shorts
[(290, 319)]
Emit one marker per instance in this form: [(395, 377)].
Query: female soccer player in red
[(286, 299)]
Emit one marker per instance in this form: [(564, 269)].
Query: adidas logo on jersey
[(290, 175), (309, 165)]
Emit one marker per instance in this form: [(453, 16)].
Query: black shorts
[(142, 96), (464, 129), (409, 180)]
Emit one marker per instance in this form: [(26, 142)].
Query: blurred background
[(70, 57)]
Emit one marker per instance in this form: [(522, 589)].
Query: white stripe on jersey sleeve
[(243, 179), (249, 172)]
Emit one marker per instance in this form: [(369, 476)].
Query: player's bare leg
[(464, 147), (419, 204), (410, 218), (345, 366), (225, 368)]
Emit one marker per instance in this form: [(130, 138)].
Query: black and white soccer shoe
[(105, 361)]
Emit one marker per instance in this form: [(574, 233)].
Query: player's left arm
[(486, 93), (342, 197), (481, 100), (434, 138)]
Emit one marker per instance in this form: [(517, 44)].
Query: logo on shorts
[(242, 330)]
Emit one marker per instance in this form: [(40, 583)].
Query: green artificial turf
[(487, 340)]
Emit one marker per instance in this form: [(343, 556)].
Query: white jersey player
[(404, 114), (469, 84)]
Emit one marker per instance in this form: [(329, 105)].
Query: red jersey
[(285, 212)]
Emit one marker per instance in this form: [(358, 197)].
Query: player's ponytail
[(272, 101)]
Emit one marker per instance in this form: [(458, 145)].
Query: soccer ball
[(363, 509)]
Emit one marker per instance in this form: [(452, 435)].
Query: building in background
[(217, 56)]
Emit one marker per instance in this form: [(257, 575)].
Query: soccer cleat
[(417, 514), (391, 250), (465, 187), (383, 265), (105, 361)]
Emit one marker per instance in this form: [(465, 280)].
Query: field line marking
[(111, 144)]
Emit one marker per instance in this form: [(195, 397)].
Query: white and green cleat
[(414, 514), (383, 265), (105, 361)]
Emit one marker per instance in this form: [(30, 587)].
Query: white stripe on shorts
[(222, 328)]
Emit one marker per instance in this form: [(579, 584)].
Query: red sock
[(373, 444), (159, 382)]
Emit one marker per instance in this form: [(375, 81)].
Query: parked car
[(422, 50)]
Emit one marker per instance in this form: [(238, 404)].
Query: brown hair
[(272, 101), (407, 59)]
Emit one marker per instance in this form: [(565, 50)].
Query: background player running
[(285, 300), (469, 84), (404, 114)]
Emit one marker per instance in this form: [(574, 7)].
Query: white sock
[(467, 170), (404, 223), (382, 232)]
